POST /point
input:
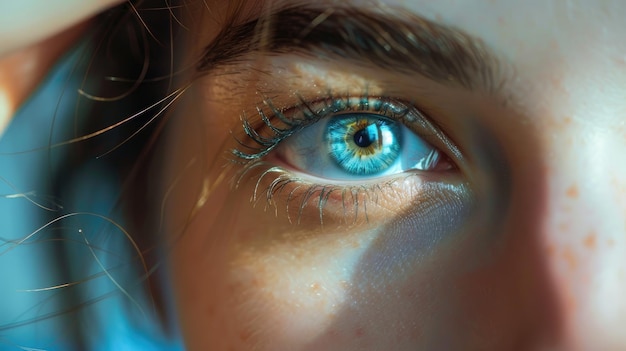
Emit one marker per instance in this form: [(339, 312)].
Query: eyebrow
[(400, 42)]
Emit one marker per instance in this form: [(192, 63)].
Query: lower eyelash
[(274, 185)]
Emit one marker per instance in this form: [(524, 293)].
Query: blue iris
[(363, 143)]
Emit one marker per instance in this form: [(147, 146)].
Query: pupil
[(365, 137)]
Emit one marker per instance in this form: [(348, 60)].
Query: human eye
[(345, 156), (355, 139)]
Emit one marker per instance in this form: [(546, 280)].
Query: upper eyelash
[(303, 115)]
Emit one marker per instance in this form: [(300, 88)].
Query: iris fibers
[(363, 143)]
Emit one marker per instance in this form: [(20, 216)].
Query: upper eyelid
[(396, 109)]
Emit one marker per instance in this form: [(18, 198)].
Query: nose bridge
[(585, 232)]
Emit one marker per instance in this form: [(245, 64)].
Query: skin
[(543, 270)]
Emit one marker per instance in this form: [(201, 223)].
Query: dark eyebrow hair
[(399, 42)]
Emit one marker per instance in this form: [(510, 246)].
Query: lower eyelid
[(299, 199)]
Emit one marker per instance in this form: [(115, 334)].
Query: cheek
[(328, 292), (246, 279)]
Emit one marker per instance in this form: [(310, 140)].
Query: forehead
[(516, 25)]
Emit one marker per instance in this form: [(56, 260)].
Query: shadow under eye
[(392, 285)]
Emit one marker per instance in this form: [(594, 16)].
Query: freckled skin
[(572, 192), (590, 241), (541, 268)]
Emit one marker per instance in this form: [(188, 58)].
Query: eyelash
[(354, 198), (270, 126), (303, 115)]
